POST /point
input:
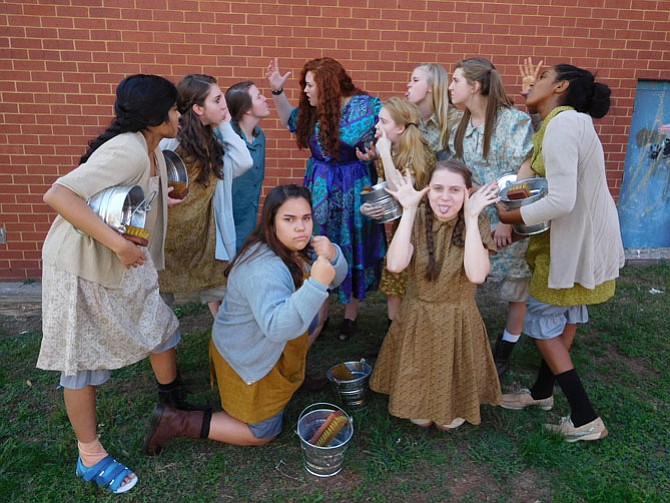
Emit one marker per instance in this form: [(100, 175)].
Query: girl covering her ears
[(576, 261), (435, 362), (100, 302), (201, 231), (493, 139), (276, 286), (400, 143)]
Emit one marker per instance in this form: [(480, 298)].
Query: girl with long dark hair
[(276, 286), (100, 302)]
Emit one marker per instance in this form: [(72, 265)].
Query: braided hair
[(142, 101), (458, 234)]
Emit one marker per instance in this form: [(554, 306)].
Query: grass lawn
[(622, 355)]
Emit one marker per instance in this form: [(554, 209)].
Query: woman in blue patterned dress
[(494, 138), (333, 119)]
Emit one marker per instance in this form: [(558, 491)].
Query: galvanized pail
[(352, 393), (322, 461)]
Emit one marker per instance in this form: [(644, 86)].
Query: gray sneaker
[(523, 398), (594, 430)]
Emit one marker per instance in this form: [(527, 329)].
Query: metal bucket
[(322, 461), (121, 206), (353, 393), (538, 189), (177, 174), (379, 197)]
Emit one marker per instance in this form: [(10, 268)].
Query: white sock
[(506, 336)]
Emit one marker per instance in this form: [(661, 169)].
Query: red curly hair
[(333, 83)]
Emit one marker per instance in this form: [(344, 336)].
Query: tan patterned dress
[(436, 362), (86, 326), (190, 245)]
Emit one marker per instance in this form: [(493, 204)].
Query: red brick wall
[(61, 60)]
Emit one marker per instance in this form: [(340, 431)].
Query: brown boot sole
[(154, 422)]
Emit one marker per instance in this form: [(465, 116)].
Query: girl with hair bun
[(575, 263), (435, 362), (101, 309), (495, 139), (400, 143)]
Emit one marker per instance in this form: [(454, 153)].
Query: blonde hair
[(438, 80), (413, 152)]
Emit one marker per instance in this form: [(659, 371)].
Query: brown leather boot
[(166, 423)]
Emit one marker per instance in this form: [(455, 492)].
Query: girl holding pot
[(333, 119), (576, 261), (100, 302), (201, 231), (399, 143)]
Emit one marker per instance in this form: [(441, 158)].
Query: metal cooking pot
[(538, 189), (177, 174), (379, 196), (121, 206)]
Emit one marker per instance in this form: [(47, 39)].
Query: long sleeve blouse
[(262, 311), (586, 246)]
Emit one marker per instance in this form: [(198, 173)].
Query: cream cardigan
[(586, 246), (123, 160)]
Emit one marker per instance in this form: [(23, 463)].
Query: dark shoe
[(502, 353), (166, 423), (174, 395), (347, 330), (312, 383)]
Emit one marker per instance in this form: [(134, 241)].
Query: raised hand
[(323, 247), (323, 271), (406, 194), (383, 145), (529, 74), (274, 76), (476, 202)]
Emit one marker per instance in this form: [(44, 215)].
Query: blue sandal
[(108, 473)]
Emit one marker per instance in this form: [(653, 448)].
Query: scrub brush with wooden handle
[(329, 429), (342, 373)]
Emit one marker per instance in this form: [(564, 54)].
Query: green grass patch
[(622, 356)]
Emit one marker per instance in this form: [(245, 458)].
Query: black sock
[(544, 385), (206, 420), (581, 410)]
